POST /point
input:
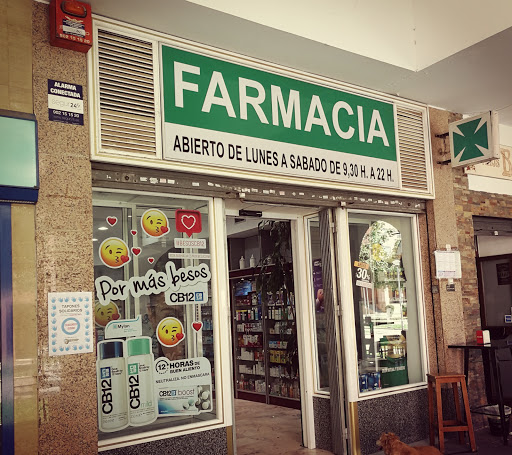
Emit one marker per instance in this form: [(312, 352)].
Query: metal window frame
[(6, 330)]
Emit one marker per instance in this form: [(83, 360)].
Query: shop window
[(153, 313), (386, 305), (322, 365)]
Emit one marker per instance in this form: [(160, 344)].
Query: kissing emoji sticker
[(170, 332), (154, 223), (114, 252), (103, 314)]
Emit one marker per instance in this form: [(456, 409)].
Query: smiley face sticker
[(103, 314), (154, 223), (170, 332), (114, 252)]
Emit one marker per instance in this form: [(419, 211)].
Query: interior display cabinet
[(265, 342)]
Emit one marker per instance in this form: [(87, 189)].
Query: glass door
[(324, 307)]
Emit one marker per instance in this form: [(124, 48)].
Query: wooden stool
[(458, 425)]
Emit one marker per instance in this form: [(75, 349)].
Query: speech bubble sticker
[(188, 221), (170, 332)]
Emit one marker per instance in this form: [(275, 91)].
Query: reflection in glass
[(385, 304), (317, 300)]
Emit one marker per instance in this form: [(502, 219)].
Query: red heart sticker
[(197, 326), (136, 251), (151, 260), (188, 221), (179, 336), (164, 229), (112, 220), (125, 258), (134, 232)]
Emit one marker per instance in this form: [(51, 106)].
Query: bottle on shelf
[(252, 261), (242, 262)]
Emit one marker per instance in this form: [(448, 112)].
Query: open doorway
[(265, 350), (493, 241)]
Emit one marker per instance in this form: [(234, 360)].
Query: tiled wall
[(24, 328), (67, 384), (16, 55), (464, 204), (469, 204), (16, 95)]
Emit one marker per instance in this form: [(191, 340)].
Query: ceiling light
[(102, 228)]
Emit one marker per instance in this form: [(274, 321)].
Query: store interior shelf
[(275, 336)]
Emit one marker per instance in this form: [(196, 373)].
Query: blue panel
[(6, 330), (8, 193)]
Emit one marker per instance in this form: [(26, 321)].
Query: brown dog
[(391, 445)]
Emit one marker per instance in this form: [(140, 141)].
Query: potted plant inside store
[(275, 279), (275, 273)]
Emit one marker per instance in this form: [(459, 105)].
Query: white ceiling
[(472, 80)]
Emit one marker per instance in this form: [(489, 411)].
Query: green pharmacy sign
[(474, 140), (226, 116)]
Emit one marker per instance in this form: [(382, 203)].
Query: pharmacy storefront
[(257, 237)]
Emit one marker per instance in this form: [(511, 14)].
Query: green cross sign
[(472, 140)]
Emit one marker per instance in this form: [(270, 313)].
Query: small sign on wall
[(503, 273), (71, 25), (65, 102), (70, 323), (447, 264)]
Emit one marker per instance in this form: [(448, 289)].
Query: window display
[(153, 312), (382, 253)]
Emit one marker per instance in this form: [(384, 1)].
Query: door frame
[(481, 287), (295, 215), (6, 330)]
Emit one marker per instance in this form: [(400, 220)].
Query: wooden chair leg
[(458, 412), (440, 421), (431, 414), (469, 421)]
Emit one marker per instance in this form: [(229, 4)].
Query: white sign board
[(184, 387), (447, 264), (70, 322), (122, 328)]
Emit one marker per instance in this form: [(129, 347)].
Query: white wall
[(411, 34), (446, 27), (506, 135), (375, 29)]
